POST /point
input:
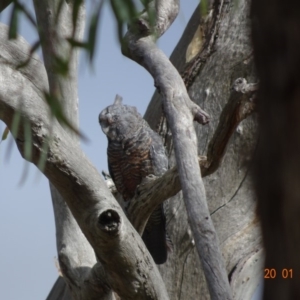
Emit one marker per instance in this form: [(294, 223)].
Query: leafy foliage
[(125, 12), (92, 31), (4, 134), (18, 8), (203, 7)]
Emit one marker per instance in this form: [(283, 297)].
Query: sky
[(28, 250)]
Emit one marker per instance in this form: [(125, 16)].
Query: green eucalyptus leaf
[(93, 30), (125, 12), (33, 49), (43, 157), (61, 66), (5, 134), (14, 22), (14, 130), (203, 7), (28, 140), (151, 16), (26, 12), (76, 7), (15, 123), (57, 111), (78, 44)]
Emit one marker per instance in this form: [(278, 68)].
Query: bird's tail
[(155, 235)]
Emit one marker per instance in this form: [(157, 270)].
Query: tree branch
[(4, 4), (153, 191), (97, 213), (72, 247), (180, 114), (239, 106)]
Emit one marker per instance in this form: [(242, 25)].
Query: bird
[(135, 151)]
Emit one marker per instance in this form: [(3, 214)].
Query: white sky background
[(27, 233)]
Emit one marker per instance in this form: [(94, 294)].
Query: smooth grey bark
[(96, 211), (73, 249), (180, 112), (229, 189)]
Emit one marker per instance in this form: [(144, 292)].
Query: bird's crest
[(118, 100)]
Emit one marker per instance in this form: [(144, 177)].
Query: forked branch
[(153, 191), (180, 113), (97, 213)]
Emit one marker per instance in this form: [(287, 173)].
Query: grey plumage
[(135, 151)]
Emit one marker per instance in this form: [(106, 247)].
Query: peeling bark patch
[(210, 28)]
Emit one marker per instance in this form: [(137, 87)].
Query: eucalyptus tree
[(208, 79)]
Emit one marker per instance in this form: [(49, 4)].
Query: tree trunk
[(276, 43), (229, 190)]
